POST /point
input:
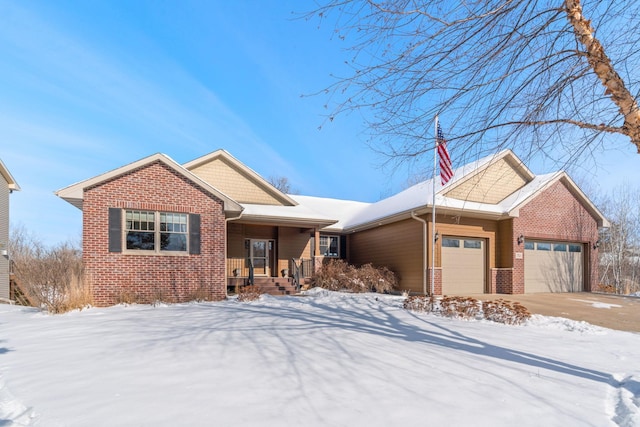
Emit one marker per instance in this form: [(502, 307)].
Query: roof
[(355, 216), (74, 193), (13, 185), (335, 215)]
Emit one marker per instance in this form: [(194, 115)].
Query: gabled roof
[(355, 216), (13, 185), (74, 193), (248, 174)]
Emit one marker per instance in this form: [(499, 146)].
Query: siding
[(292, 243), (397, 246), (490, 185), (4, 237), (232, 182)]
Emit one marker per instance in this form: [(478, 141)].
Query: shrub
[(511, 313), (52, 277), (337, 275), (460, 307), (501, 311), (249, 293)]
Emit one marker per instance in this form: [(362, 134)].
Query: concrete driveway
[(610, 311)]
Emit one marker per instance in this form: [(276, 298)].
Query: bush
[(52, 277), (337, 275), (501, 311), (249, 293)]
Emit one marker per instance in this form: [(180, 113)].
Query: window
[(528, 246), (330, 246), (575, 248), (473, 244), (155, 231), (560, 247), (450, 243), (543, 246)]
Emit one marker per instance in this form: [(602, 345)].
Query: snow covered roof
[(353, 216), (348, 216)]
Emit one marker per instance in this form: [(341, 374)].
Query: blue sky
[(86, 87)]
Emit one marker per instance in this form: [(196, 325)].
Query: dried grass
[(249, 293)]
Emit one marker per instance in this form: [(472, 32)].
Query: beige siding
[(234, 183), (504, 241), (4, 237), (397, 246), (292, 243), (490, 185)]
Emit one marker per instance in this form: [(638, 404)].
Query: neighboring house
[(7, 186), (157, 228)]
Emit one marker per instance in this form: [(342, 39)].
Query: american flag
[(446, 171)]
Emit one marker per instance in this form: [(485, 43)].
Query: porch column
[(317, 257)]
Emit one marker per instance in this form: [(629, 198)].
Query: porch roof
[(299, 215)]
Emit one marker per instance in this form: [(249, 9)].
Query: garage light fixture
[(596, 245), (437, 236), (520, 239)]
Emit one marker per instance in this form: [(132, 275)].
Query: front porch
[(241, 272)]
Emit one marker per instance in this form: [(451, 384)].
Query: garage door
[(553, 267), (463, 265)]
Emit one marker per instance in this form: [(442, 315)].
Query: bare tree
[(553, 77), (620, 244), (52, 277), (282, 183)]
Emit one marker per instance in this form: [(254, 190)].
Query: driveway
[(610, 311)]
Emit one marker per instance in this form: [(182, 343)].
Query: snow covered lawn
[(326, 359)]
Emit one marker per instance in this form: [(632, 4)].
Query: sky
[(86, 87), (328, 359)]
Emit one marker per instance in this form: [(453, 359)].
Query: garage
[(552, 266), (463, 265)]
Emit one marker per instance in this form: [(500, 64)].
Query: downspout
[(424, 250)]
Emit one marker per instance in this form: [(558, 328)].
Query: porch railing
[(301, 269)]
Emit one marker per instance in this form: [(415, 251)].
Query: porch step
[(276, 285)]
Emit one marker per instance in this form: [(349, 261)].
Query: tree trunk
[(602, 66)]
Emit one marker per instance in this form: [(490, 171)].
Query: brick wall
[(115, 277), (555, 214)]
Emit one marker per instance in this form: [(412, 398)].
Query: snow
[(597, 304), (322, 359)]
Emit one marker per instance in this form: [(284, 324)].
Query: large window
[(155, 231), (330, 246)]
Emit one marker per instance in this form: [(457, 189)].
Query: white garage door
[(463, 265), (553, 267)]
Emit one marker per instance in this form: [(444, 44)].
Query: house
[(155, 228), (7, 186)]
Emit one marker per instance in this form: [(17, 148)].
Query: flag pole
[(433, 211)]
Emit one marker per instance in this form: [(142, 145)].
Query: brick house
[(157, 229)]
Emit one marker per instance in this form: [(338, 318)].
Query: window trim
[(157, 232)]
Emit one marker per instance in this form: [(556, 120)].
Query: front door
[(260, 256)]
